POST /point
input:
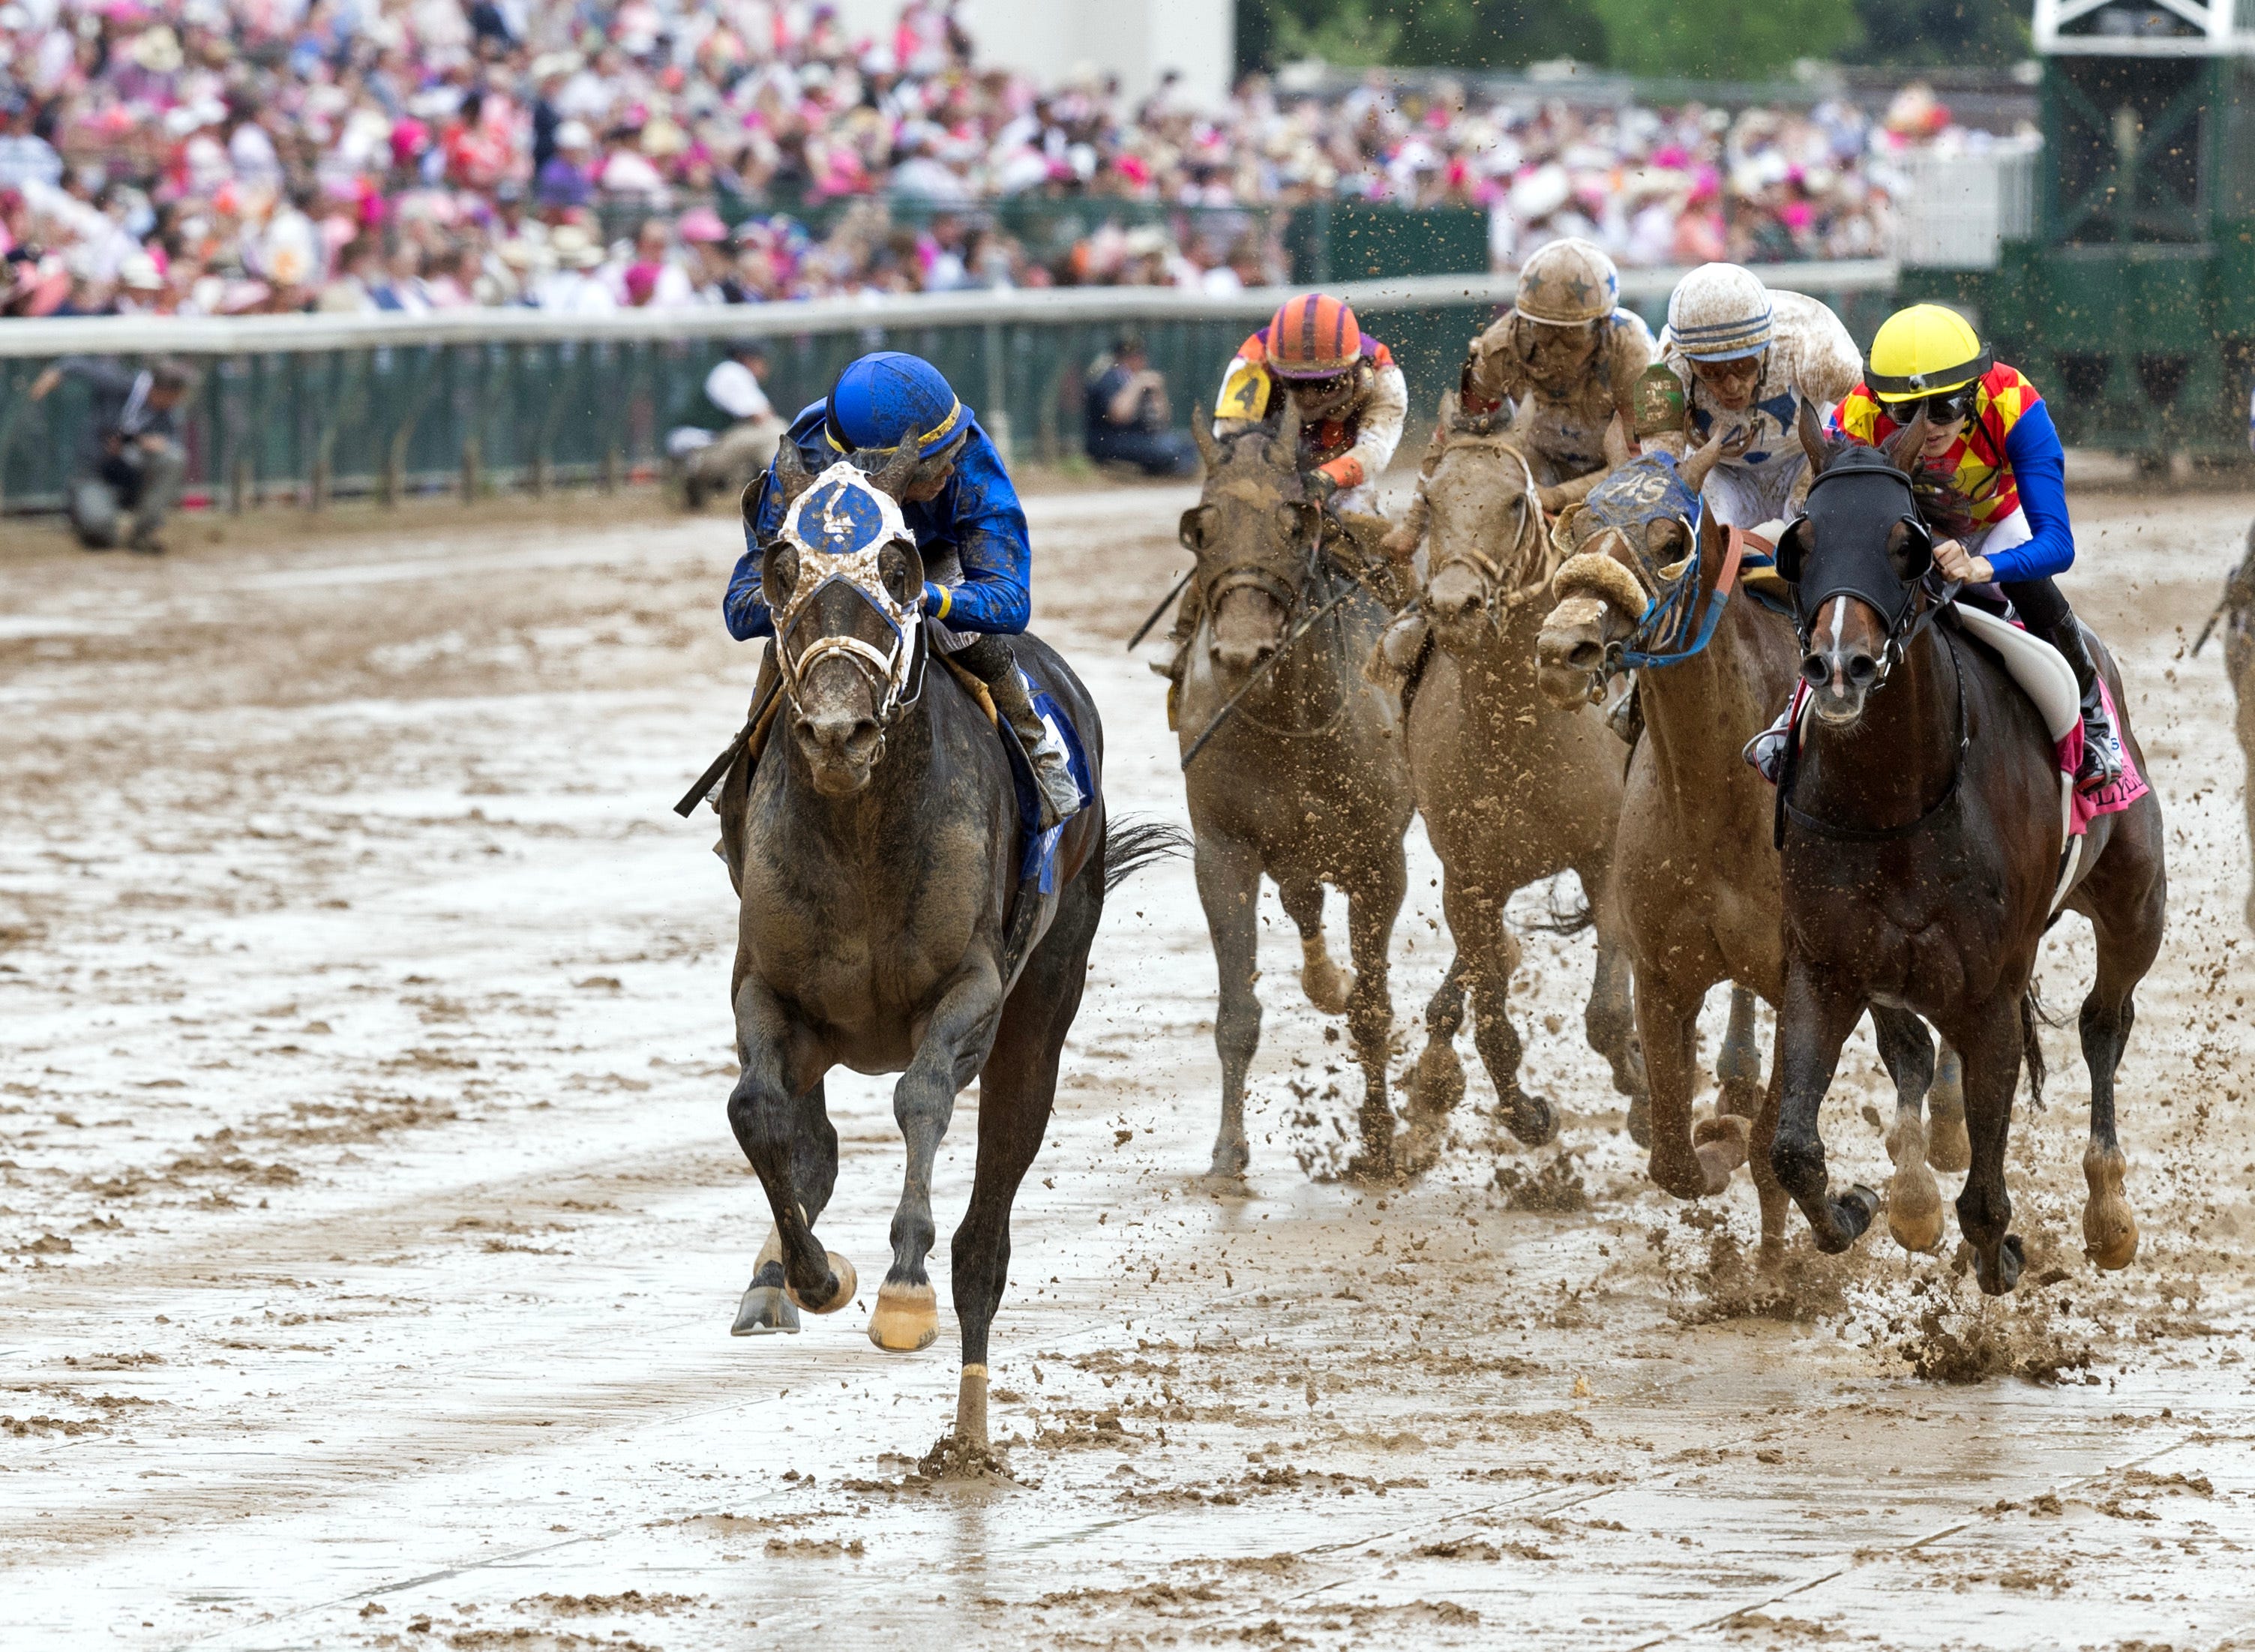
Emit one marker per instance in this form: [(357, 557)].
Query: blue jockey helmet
[(886, 398)]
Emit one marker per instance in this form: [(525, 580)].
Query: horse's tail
[(2033, 1015), (1131, 844)]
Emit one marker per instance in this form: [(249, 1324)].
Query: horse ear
[(1190, 533), (792, 472), (1202, 433), (1812, 439), (1906, 449), (1616, 443), (900, 470), (1793, 550), (1288, 433)]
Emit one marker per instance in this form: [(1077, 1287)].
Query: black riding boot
[(2101, 762), (989, 659)]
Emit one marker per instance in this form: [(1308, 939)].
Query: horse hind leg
[(1913, 1200), (2110, 1227), (1327, 986), (1531, 1118), (1739, 1067), (1947, 1148)]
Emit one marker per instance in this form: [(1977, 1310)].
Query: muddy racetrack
[(372, 1228)]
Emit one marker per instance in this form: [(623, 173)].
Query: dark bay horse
[(1920, 827), (1298, 773), (1696, 868), (887, 923)]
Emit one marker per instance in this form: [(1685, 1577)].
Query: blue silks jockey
[(969, 528)]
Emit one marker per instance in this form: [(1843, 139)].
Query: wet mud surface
[(370, 1228)]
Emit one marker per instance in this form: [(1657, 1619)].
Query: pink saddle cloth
[(2116, 794)]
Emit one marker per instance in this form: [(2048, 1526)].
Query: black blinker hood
[(1839, 546)]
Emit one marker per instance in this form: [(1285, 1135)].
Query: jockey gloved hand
[(1322, 485), (1955, 564)]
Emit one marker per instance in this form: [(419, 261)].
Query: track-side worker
[(969, 527), (1990, 435), (1350, 397), (1567, 356), (1749, 358)]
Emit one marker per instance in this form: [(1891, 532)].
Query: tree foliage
[(1699, 39)]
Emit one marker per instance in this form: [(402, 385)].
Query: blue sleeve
[(2040, 471), (988, 526), (742, 608)]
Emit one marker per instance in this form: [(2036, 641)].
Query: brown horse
[(1513, 789), (1920, 818), (1695, 874), (1300, 772)]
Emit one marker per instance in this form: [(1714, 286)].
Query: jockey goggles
[(1944, 407)]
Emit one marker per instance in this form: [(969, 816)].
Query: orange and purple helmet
[(1313, 336)]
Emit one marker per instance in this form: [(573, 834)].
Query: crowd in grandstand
[(223, 156)]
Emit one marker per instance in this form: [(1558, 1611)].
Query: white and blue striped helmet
[(1720, 313)]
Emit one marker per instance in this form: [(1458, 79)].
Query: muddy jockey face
[(1855, 558), (1254, 532), (846, 582)]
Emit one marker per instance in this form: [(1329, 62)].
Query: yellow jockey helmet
[(1923, 351)]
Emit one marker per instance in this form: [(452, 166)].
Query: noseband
[(839, 529)]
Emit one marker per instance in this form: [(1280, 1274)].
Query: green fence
[(305, 409)]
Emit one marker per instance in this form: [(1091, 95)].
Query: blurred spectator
[(730, 436), (1127, 416), (131, 459)]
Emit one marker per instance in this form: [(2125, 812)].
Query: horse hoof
[(845, 1279), (1530, 1118), (2110, 1229), (1681, 1174), (1949, 1149), (1640, 1120), (1855, 1208), (1914, 1202), (1231, 1156), (1998, 1279), (1437, 1082), (1720, 1144), (1325, 983), (764, 1312), (907, 1318)]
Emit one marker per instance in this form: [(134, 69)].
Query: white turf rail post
[(256, 335)]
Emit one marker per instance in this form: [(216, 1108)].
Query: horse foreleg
[(1990, 1047), (1436, 1084), (770, 1126), (1490, 951), (764, 1308), (1947, 1148), (1813, 1022), (956, 1041), (1914, 1201), (1760, 1142), (1373, 903), (1327, 989), (1681, 1163), (1229, 889)]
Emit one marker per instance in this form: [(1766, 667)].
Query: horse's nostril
[(1585, 656), (1863, 670), (1814, 672)]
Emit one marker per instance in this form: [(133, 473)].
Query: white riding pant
[(1743, 496)]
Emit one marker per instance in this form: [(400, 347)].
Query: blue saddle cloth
[(1037, 855)]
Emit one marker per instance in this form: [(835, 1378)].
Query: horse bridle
[(846, 551), (1499, 600)]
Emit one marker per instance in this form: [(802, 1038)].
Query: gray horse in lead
[(894, 919)]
